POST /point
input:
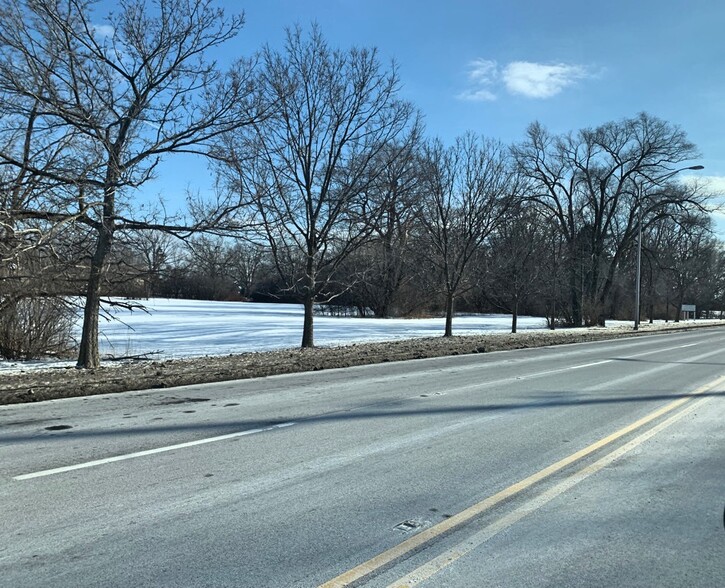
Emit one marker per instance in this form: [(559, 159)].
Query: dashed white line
[(585, 365), (97, 462)]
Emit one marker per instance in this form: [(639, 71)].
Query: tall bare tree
[(118, 93), (468, 188), (308, 167), (512, 274), (592, 182), (687, 249), (386, 259)]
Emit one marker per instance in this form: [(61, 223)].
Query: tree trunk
[(449, 315), (576, 309), (667, 308), (88, 355), (308, 327), (678, 309), (308, 330), (515, 314), (552, 322)]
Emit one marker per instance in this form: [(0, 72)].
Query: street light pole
[(639, 263), (638, 279)]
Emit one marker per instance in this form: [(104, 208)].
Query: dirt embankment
[(37, 385)]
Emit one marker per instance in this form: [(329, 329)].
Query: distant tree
[(115, 97), (596, 184), (514, 269), (247, 260), (150, 251), (688, 256), (211, 264), (467, 190), (308, 168), (386, 257)]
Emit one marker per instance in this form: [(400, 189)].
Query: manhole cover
[(409, 526)]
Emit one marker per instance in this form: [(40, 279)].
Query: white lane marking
[(480, 385), (97, 462), (560, 370), (659, 350), (576, 367), (585, 365)]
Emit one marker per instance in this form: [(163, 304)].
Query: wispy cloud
[(483, 74), (480, 95), (523, 78)]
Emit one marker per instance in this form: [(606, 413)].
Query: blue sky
[(496, 66)]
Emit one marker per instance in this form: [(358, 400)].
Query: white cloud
[(523, 78), (714, 184), (537, 80), (104, 30)]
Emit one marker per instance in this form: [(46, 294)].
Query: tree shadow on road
[(381, 410)]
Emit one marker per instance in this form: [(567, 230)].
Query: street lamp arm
[(667, 176)]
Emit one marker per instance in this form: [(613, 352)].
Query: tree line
[(328, 190)]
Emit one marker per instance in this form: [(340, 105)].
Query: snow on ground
[(188, 328), (171, 328), (193, 328)]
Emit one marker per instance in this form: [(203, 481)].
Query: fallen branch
[(139, 357)]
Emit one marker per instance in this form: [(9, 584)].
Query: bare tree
[(386, 259), (247, 260), (28, 255), (38, 256), (515, 261), (591, 182), (118, 96), (687, 250), (309, 166), (467, 190), (149, 251)]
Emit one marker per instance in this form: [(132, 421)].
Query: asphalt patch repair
[(53, 383)]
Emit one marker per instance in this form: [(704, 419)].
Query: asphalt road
[(598, 464)]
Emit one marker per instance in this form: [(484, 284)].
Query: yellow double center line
[(416, 542)]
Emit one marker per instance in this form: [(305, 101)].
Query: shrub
[(32, 328)]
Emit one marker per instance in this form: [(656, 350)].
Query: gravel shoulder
[(53, 383)]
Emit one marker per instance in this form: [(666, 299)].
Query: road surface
[(598, 464)]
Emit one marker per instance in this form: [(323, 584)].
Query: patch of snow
[(171, 328), (189, 328)]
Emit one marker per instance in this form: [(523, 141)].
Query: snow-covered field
[(187, 328), (193, 328)]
